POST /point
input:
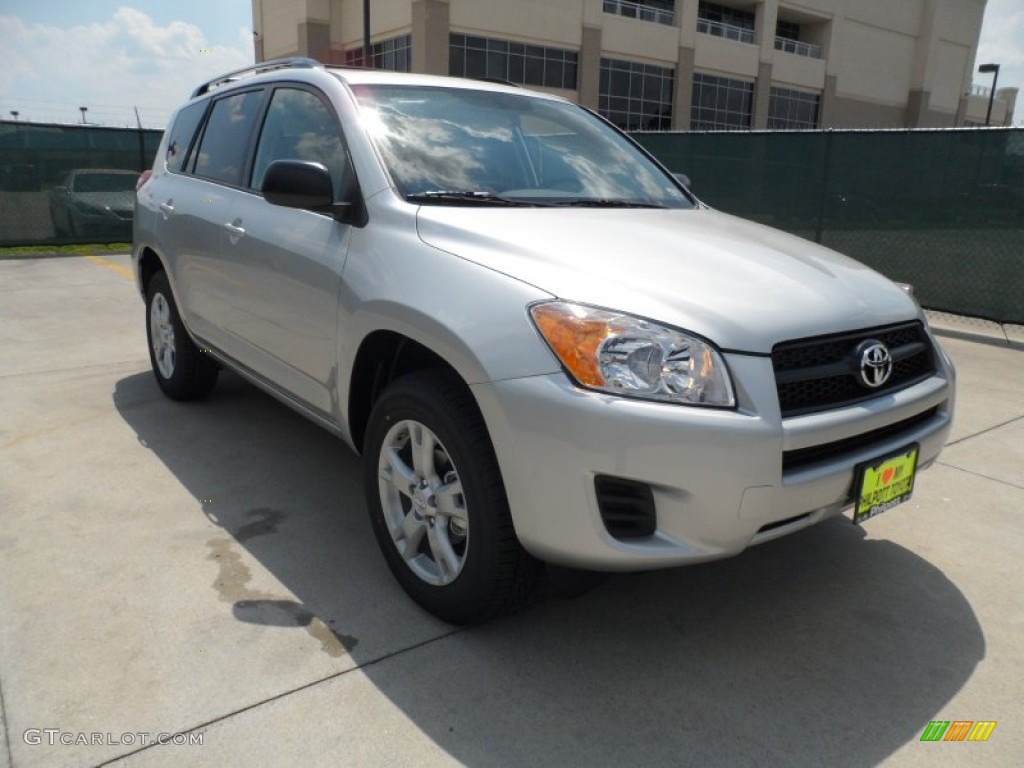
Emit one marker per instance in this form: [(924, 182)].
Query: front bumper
[(717, 476)]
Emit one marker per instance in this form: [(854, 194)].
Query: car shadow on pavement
[(823, 648)]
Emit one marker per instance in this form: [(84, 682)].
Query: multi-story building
[(684, 64)]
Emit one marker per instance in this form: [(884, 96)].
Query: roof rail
[(497, 81), (255, 69)]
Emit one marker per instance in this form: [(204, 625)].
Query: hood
[(741, 285)]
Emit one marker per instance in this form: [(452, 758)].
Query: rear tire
[(181, 370), (437, 502)]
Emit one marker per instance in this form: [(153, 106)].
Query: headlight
[(626, 355)]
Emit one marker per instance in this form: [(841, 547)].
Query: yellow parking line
[(124, 271)]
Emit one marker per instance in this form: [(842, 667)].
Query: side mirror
[(683, 179), (308, 185), (298, 184)]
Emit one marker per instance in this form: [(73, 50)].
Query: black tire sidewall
[(470, 596), (190, 378)]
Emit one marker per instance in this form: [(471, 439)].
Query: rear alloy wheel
[(181, 370), (437, 501)]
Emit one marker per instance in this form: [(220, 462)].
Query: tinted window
[(299, 126), (223, 147), (182, 131)]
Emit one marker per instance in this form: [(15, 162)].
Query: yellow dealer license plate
[(884, 483)]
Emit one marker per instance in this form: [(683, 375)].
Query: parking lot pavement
[(208, 570)]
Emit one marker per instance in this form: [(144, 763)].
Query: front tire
[(437, 502), (181, 370)]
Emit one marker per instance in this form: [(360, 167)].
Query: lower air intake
[(626, 506)]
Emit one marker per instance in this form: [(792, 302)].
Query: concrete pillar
[(682, 99), (762, 96), (919, 96), (961, 112), (827, 105), (588, 67), (917, 108), (686, 17), (766, 19), (430, 25), (315, 40)]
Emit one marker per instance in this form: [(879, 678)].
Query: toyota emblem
[(875, 363)]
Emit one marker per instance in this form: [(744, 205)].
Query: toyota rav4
[(544, 347)]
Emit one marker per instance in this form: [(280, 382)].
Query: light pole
[(367, 48), (83, 114), (994, 69), (15, 113)]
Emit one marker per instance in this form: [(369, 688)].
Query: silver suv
[(544, 347)]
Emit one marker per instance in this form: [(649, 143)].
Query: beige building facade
[(675, 64)]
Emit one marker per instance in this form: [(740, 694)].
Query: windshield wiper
[(597, 202), (468, 197)]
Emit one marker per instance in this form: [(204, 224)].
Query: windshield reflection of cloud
[(437, 153), (611, 179), (421, 153)]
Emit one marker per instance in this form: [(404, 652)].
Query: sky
[(115, 56), (1002, 43)]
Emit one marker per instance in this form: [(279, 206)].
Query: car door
[(194, 206), (287, 262)]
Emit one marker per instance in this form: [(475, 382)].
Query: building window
[(636, 96), (723, 21), (787, 39), (788, 29), (660, 11), (789, 109), (394, 54), (720, 103), (486, 58)]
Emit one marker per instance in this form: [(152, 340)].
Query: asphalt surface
[(208, 570)]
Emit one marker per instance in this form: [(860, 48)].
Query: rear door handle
[(167, 208), (235, 232)]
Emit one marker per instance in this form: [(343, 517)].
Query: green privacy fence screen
[(46, 196), (942, 210)]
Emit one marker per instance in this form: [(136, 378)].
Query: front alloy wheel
[(423, 504), (437, 501)]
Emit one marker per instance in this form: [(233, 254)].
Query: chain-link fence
[(69, 184), (942, 210)]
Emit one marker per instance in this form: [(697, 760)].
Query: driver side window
[(299, 126)]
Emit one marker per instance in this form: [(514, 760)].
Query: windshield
[(450, 146), (104, 182)]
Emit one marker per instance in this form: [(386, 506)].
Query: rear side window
[(225, 142), (182, 131)]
